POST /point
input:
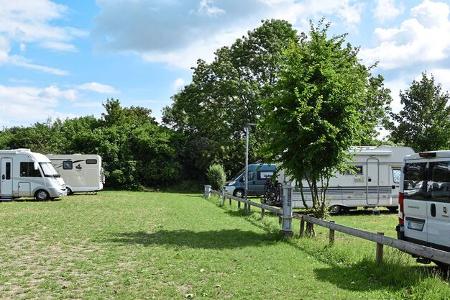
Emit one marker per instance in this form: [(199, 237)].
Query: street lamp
[(247, 135)]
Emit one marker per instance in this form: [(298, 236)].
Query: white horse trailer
[(374, 182), (28, 174), (81, 172)]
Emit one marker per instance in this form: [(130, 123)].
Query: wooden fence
[(378, 238)]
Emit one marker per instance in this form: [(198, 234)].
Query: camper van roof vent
[(23, 150)]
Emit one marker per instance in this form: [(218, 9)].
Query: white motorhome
[(374, 182), (28, 174), (424, 199), (81, 172)]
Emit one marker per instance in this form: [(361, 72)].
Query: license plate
[(415, 224)]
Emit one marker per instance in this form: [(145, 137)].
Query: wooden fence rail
[(378, 238)]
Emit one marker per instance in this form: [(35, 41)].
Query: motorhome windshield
[(49, 170)]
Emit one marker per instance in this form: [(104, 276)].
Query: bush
[(216, 176)]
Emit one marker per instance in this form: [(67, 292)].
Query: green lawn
[(167, 245)]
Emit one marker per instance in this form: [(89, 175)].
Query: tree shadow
[(213, 239), (367, 275)]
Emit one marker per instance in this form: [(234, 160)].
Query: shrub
[(216, 176)]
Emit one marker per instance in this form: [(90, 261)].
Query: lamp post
[(247, 136)]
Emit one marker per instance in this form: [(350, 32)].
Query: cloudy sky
[(64, 58)]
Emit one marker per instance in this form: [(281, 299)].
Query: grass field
[(168, 245)]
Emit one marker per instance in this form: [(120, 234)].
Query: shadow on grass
[(220, 239), (366, 275)]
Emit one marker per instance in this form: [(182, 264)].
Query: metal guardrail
[(379, 238)]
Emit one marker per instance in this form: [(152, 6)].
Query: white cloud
[(441, 76), (178, 84), (178, 32), (24, 104), (23, 22), (387, 10), (98, 88), (424, 37)]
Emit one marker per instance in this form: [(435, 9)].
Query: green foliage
[(224, 96), (216, 177), (313, 116), (136, 151), (424, 121)]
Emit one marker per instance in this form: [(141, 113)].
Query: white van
[(81, 172), (374, 182), (424, 199), (28, 174)]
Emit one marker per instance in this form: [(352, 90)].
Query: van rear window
[(415, 181), (440, 181)]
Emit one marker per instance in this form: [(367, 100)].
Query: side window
[(67, 165), (440, 181), (415, 181), (396, 175), (354, 170), (251, 176), (8, 171), (91, 161), (27, 170), (263, 175)]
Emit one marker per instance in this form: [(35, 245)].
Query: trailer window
[(440, 181), (354, 170), (415, 181), (27, 170), (67, 165), (91, 161)]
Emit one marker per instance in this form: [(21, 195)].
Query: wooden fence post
[(379, 254), (222, 200), (239, 204), (331, 235), (207, 192), (263, 211), (229, 201), (302, 227)]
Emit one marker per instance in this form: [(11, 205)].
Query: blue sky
[(64, 58)]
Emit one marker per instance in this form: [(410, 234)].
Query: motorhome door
[(6, 178), (372, 181)]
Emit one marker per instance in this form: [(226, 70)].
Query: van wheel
[(238, 193), (41, 195), (69, 192)]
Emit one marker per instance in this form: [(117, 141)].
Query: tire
[(41, 195), (69, 191), (238, 193), (336, 209), (392, 209)]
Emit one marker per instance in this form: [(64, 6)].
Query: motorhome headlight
[(231, 183)]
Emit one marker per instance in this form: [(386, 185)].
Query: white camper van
[(81, 172), (424, 199), (375, 181), (28, 174)]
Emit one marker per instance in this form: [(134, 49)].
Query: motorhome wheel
[(336, 209), (69, 191), (41, 195)]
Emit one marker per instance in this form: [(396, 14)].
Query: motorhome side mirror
[(241, 179), (36, 166)]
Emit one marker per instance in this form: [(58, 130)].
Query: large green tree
[(424, 121), (314, 114), (224, 96)]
